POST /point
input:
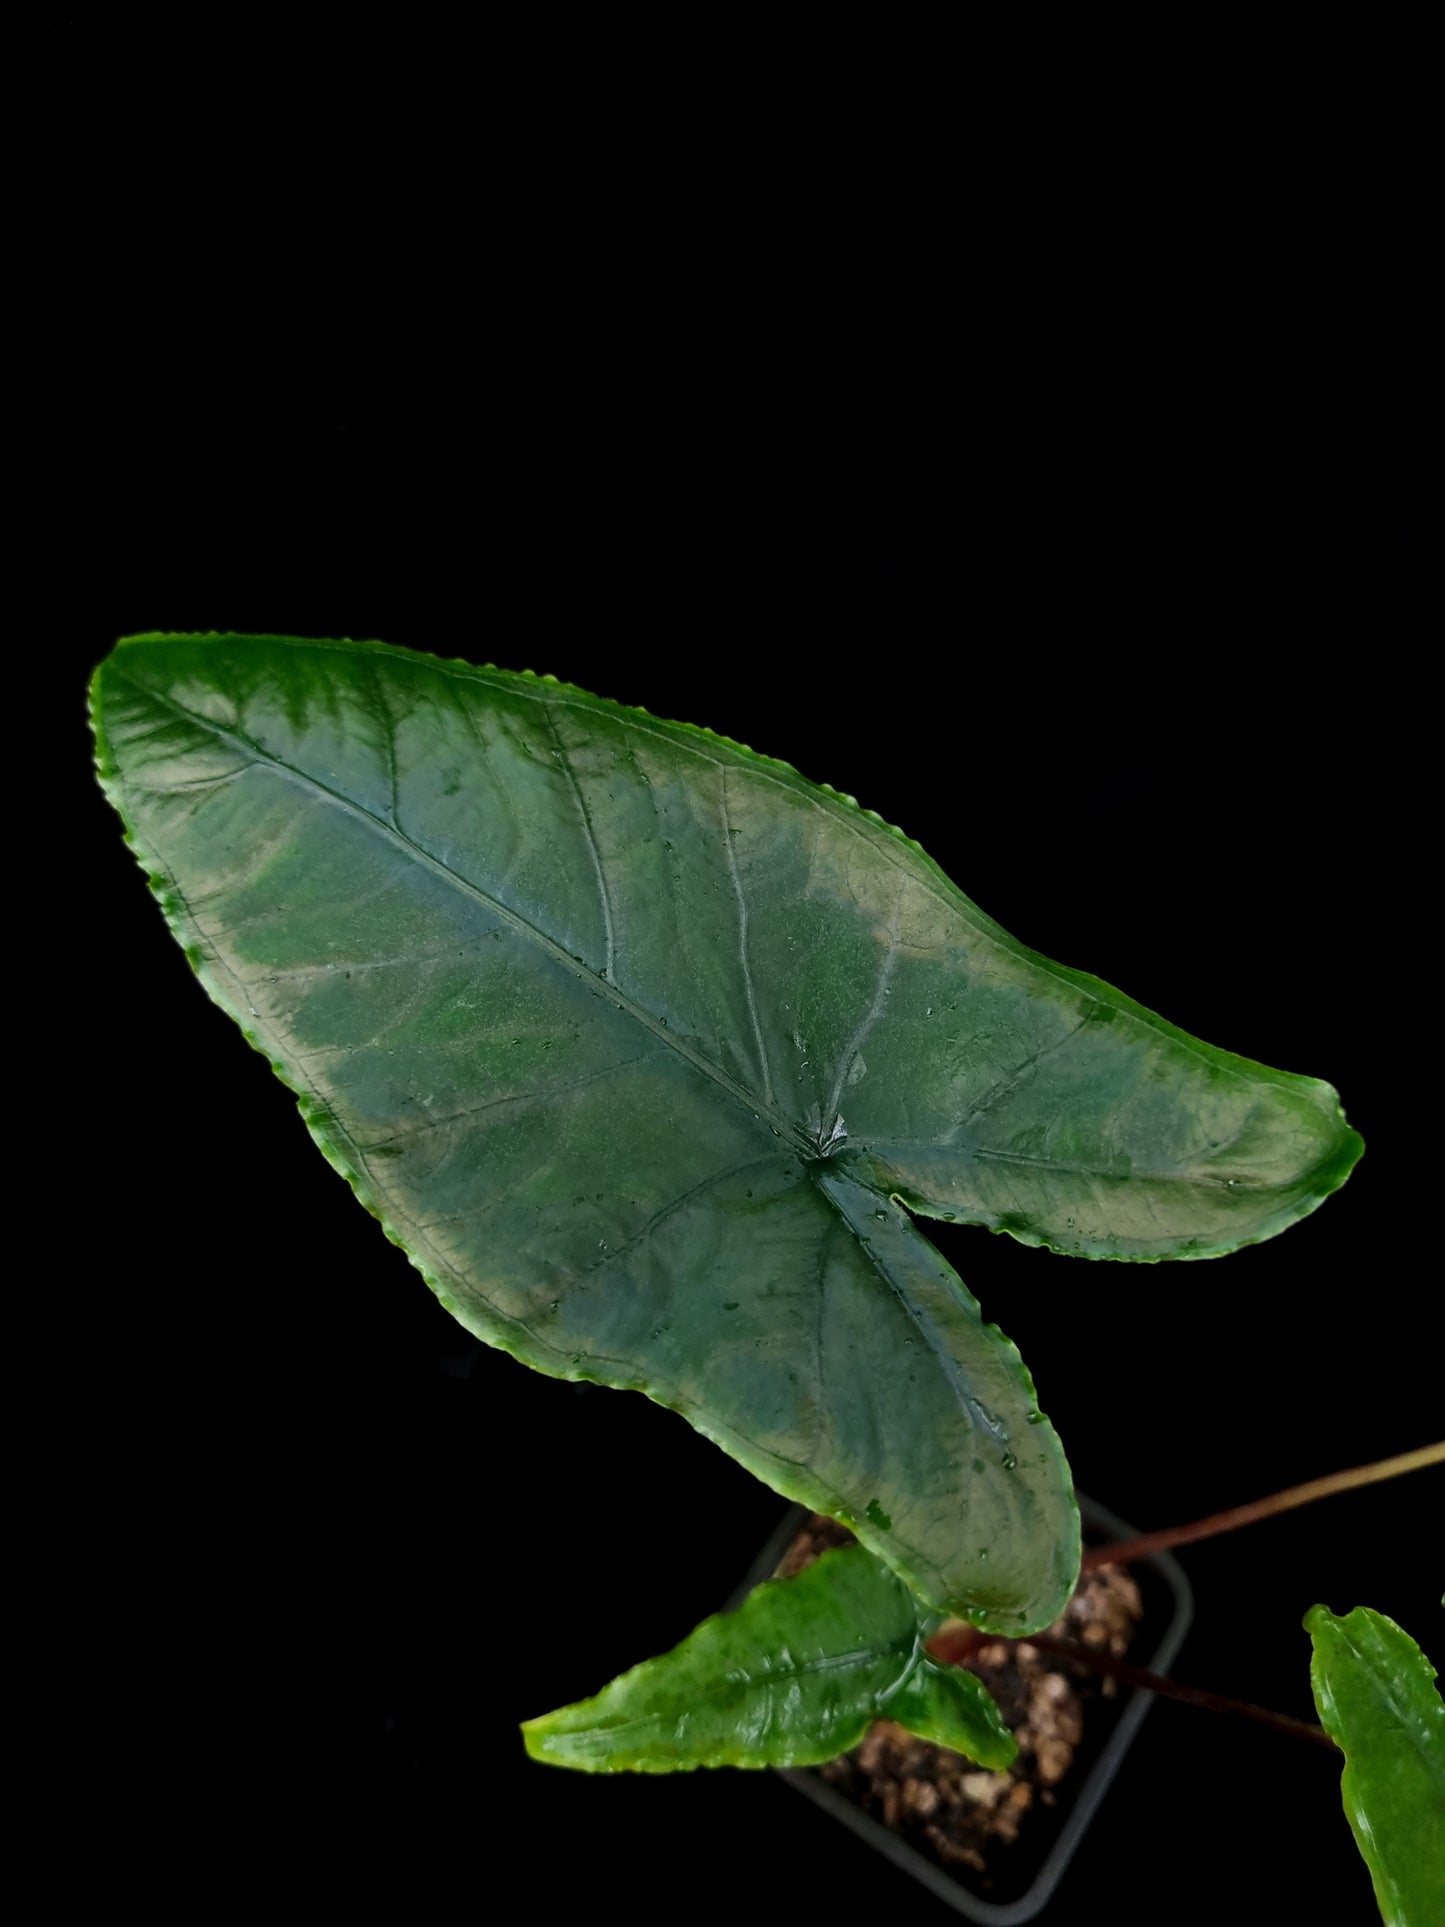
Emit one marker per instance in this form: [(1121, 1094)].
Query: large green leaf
[(1377, 1698), (795, 1676), (579, 1001)]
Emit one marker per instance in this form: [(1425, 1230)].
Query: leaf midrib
[(906, 1650), (1408, 1719), (724, 1691), (754, 1104)]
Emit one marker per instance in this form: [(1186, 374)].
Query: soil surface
[(946, 1805)]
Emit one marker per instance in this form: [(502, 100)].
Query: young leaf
[(579, 1001), (795, 1676), (1377, 1700)]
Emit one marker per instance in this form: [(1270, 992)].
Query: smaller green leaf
[(795, 1676), (1377, 1700), (952, 1707)]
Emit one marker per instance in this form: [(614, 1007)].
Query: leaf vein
[(591, 836), (514, 1097), (763, 1065), (865, 1024)]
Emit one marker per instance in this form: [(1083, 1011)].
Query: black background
[(1118, 611)]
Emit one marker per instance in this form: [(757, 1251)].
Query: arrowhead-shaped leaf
[(579, 1002), (1377, 1700), (795, 1676)]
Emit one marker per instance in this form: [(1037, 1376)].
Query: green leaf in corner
[(1378, 1701), (795, 1676), (643, 1047)]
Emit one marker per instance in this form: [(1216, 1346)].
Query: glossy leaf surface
[(1377, 1700), (795, 1676), (635, 1040)]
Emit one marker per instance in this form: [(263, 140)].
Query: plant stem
[(956, 1644), (1171, 1689), (1243, 1515)]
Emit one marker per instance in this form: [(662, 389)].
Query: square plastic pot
[(1032, 1868)]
